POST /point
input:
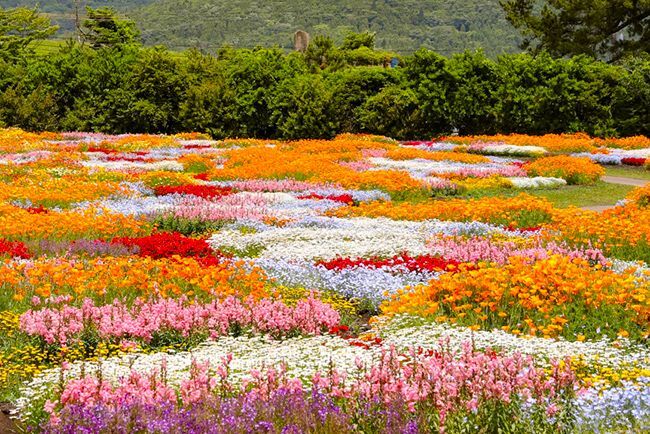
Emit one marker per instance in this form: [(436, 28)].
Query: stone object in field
[(301, 40)]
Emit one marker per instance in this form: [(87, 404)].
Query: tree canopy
[(103, 28), (19, 27), (607, 29)]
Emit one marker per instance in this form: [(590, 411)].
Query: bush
[(302, 108), (266, 93)]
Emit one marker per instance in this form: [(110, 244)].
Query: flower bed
[(179, 284)]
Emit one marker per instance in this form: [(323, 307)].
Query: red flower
[(344, 198), (102, 150), (416, 143), (202, 176), (167, 244), (37, 210), (632, 161), (205, 191), (14, 249), (529, 229), (418, 263)]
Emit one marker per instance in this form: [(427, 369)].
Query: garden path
[(625, 181), (617, 180)]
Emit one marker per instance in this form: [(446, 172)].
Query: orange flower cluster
[(575, 170), (315, 161), (551, 297), (522, 211), (15, 140), (40, 187), (110, 277), (413, 153), (19, 224), (621, 231), (560, 143), (641, 196)]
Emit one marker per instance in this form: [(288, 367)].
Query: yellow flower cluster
[(596, 374)]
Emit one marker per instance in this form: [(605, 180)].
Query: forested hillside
[(446, 26)]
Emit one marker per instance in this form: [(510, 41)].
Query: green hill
[(447, 26)]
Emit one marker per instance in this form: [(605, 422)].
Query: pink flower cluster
[(282, 185), (119, 322), (445, 380), (234, 207), (486, 172), (449, 380), (373, 153), (475, 249), (357, 166)]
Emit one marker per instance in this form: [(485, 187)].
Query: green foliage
[(473, 100), (606, 28), (20, 27), (302, 108), (351, 89), (187, 227), (103, 28), (632, 103), (123, 87), (354, 41), (392, 112), (544, 95), (34, 110), (432, 83)]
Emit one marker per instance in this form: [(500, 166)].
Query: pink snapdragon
[(233, 207), (116, 321), (282, 185), (357, 166), (486, 172), (475, 249), (447, 381), (450, 380)]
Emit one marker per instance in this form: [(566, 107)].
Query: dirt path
[(7, 426), (625, 181)]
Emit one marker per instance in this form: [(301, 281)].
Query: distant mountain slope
[(403, 25)]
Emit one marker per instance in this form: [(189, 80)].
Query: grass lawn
[(600, 193), (50, 47), (628, 172)]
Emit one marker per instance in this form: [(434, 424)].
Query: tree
[(354, 41), (19, 27), (607, 29), (103, 28)]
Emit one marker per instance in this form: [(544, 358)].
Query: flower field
[(174, 284)]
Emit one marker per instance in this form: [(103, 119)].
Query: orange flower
[(575, 170)]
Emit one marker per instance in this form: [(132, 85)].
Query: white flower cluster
[(173, 166), (358, 237), (302, 356), (405, 331), (537, 182), (503, 149)]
